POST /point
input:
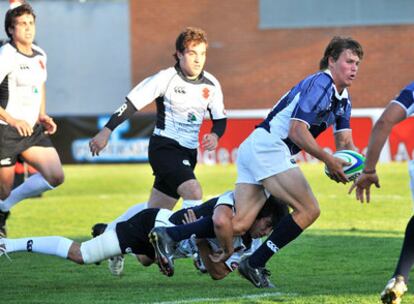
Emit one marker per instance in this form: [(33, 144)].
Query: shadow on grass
[(316, 264)]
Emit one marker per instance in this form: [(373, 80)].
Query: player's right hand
[(22, 127), (335, 167), (97, 143), (363, 186)]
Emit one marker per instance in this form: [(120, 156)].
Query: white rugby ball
[(356, 160)]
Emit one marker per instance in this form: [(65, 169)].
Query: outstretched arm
[(300, 135), (392, 115), (100, 140)]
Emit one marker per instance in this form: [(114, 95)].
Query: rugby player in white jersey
[(265, 159), (24, 124), (131, 236), (183, 94), (397, 110)]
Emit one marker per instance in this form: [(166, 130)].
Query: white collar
[(337, 95)]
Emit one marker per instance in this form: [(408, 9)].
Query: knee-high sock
[(406, 261), (191, 203), (52, 245), (34, 185), (202, 228), (284, 232), (127, 215)]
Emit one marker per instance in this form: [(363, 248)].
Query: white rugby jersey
[(22, 78), (406, 99), (181, 103)]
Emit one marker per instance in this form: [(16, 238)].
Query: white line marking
[(241, 297)]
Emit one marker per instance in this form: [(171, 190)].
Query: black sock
[(406, 261), (202, 228), (284, 232)]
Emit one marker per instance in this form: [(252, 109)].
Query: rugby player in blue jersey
[(398, 110), (265, 160)]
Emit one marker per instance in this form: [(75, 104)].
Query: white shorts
[(262, 155)]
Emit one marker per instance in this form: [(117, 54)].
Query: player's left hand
[(48, 124), (209, 141), (363, 186)]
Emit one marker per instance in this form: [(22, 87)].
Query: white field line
[(217, 300)]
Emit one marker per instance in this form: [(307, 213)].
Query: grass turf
[(345, 257)]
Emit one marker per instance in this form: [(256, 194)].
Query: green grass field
[(345, 257)]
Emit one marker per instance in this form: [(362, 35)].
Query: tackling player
[(398, 110), (183, 94), (24, 124), (131, 236)]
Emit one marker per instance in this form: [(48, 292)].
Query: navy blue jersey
[(406, 99), (316, 102)]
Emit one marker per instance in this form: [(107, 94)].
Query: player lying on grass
[(166, 239), (131, 236)]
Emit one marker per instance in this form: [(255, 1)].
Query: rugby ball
[(356, 160)]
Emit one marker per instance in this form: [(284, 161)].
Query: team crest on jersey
[(191, 117), (206, 93)]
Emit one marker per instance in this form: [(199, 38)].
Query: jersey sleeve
[(406, 99), (149, 89), (310, 101), (6, 63), (216, 106)]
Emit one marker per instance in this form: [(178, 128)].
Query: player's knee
[(56, 179), (75, 254), (190, 190), (313, 212)]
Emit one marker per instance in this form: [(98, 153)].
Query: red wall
[(255, 67)]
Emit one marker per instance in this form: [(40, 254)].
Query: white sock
[(52, 245), (33, 186), (191, 203), (127, 215)]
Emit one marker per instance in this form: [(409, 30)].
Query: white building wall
[(88, 48)]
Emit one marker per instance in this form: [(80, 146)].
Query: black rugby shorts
[(12, 143), (171, 164)]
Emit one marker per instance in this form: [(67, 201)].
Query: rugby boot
[(258, 276), (394, 290), (164, 248)]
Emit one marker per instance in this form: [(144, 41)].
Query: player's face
[(345, 69), (192, 60), (24, 30), (261, 227)]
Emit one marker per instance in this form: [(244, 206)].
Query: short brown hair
[(189, 35), (12, 14), (336, 46), (274, 208)]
